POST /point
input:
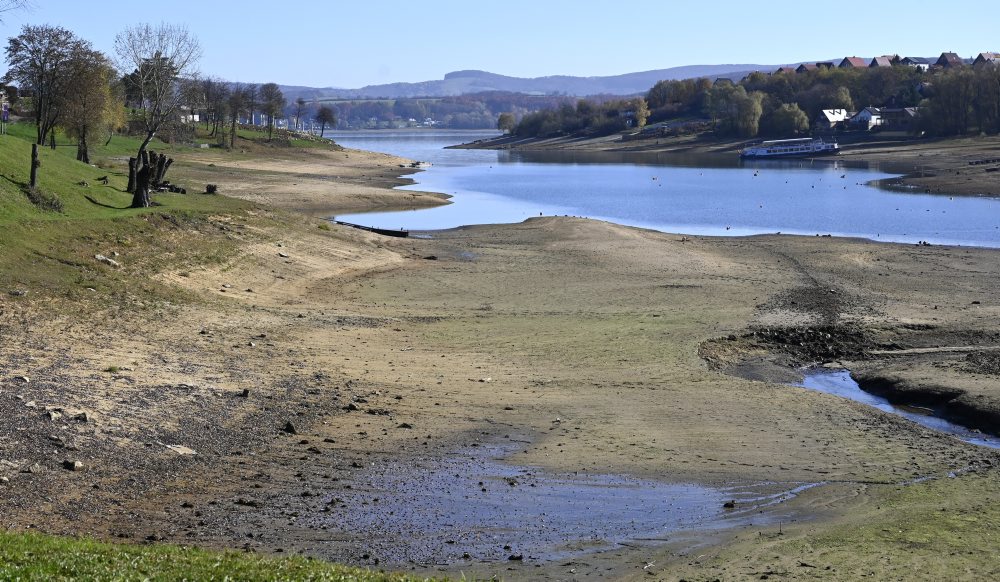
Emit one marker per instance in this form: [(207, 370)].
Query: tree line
[(950, 102), (148, 86)]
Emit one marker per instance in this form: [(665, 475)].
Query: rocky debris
[(17, 292), (290, 428), (181, 450), (108, 261), (71, 465)]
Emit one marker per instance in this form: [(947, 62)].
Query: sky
[(351, 44)]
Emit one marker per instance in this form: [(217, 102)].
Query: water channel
[(690, 194), (840, 383)]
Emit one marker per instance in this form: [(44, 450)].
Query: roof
[(826, 64), (987, 58), (806, 67), (834, 115), (851, 62), (948, 60), (915, 61), (785, 70), (881, 62)]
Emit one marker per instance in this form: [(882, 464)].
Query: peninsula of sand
[(293, 386)]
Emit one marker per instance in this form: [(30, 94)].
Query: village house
[(867, 118), (830, 118), (806, 67), (950, 61), (826, 65), (881, 62), (899, 119), (788, 70), (853, 63), (916, 62), (986, 59)]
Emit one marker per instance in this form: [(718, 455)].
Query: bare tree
[(238, 102), (40, 61), (154, 58), (300, 104), (9, 5), (252, 96)]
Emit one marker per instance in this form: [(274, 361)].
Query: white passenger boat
[(786, 148)]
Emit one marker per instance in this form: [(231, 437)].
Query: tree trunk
[(140, 198), (132, 166), (322, 128), (34, 165), (82, 150), (52, 139)]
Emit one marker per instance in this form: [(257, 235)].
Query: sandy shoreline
[(313, 361)]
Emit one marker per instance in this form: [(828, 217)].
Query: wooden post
[(34, 165)]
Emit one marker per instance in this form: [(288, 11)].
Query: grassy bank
[(30, 557)]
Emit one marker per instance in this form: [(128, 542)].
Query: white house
[(830, 117), (867, 118)]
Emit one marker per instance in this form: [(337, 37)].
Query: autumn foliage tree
[(41, 62)]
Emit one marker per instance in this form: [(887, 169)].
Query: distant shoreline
[(933, 166)]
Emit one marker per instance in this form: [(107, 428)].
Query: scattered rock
[(290, 428), (70, 465), (34, 468), (352, 407), (516, 557), (17, 292), (405, 425), (283, 255), (23, 379), (245, 393), (108, 261), (729, 504), (431, 258), (181, 450)]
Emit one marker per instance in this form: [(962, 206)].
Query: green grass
[(29, 557), (52, 253)]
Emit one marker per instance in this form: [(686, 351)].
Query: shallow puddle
[(840, 383), (472, 507)]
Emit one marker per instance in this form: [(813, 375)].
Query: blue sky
[(355, 43)]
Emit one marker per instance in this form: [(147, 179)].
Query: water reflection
[(707, 194)]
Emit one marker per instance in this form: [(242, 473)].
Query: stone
[(71, 465), (290, 428), (108, 261)]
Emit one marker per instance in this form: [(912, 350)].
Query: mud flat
[(308, 367)]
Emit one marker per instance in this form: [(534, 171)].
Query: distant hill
[(466, 82)]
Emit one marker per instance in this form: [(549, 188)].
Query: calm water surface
[(711, 195)]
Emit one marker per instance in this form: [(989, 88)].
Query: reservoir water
[(841, 384), (707, 194)]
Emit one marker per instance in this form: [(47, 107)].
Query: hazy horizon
[(323, 44)]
